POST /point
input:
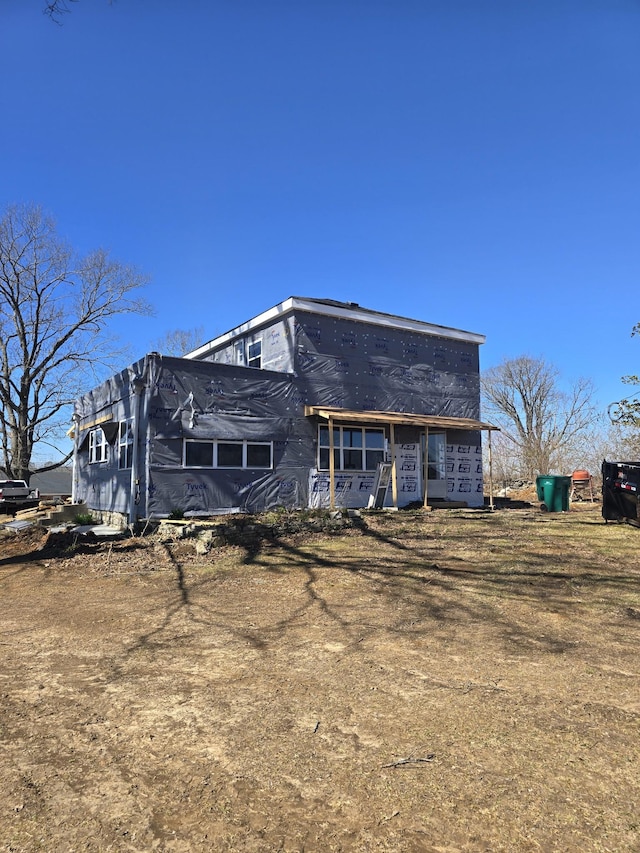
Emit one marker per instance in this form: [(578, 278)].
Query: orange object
[(581, 482)]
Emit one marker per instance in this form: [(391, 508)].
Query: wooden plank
[(490, 475), (332, 469), (397, 418), (29, 513), (82, 427), (394, 469), (425, 466)]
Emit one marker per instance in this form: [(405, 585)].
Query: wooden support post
[(394, 467), (490, 475), (332, 469), (425, 468)]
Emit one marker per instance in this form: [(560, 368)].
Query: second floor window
[(248, 353), (254, 353)]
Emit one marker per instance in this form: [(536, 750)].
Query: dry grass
[(451, 681)]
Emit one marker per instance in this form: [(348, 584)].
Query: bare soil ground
[(446, 681)]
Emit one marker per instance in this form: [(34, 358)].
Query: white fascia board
[(357, 314), (277, 311)]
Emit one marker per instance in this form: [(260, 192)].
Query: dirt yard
[(449, 681)]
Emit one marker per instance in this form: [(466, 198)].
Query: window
[(255, 354), (198, 454), (248, 354), (228, 454), (259, 455), (354, 448), (125, 444), (97, 445)]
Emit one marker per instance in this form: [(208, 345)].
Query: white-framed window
[(354, 448), (97, 445), (125, 444), (239, 351), (254, 354), (228, 454)]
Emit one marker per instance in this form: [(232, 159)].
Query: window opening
[(259, 455), (125, 444), (228, 454), (354, 448), (255, 354), (198, 454), (97, 446)]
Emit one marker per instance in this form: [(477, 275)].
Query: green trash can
[(553, 492)]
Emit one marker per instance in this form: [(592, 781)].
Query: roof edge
[(398, 418), (331, 308)]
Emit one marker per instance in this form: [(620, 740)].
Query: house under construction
[(313, 403)]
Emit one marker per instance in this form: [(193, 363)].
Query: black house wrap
[(297, 407)]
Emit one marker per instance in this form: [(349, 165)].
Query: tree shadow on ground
[(406, 586), (406, 577)]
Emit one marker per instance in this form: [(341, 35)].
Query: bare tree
[(542, 421), (179, 341), (505, 460), (54, 309), (624, 442), (55, 9), (626, 413)]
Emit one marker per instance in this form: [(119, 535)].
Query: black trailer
[(621, 491)]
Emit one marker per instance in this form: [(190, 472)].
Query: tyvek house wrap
[(104, 486), (357, 365), (184, 399), (388, 369), (195, 400), (336, 363)]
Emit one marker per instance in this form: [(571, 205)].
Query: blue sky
[(472, 163)]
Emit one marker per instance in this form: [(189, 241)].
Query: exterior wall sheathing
[(307, 359)]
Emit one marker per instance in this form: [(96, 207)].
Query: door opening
[(435, 462)]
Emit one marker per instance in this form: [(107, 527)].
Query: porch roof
[(397, 418)]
